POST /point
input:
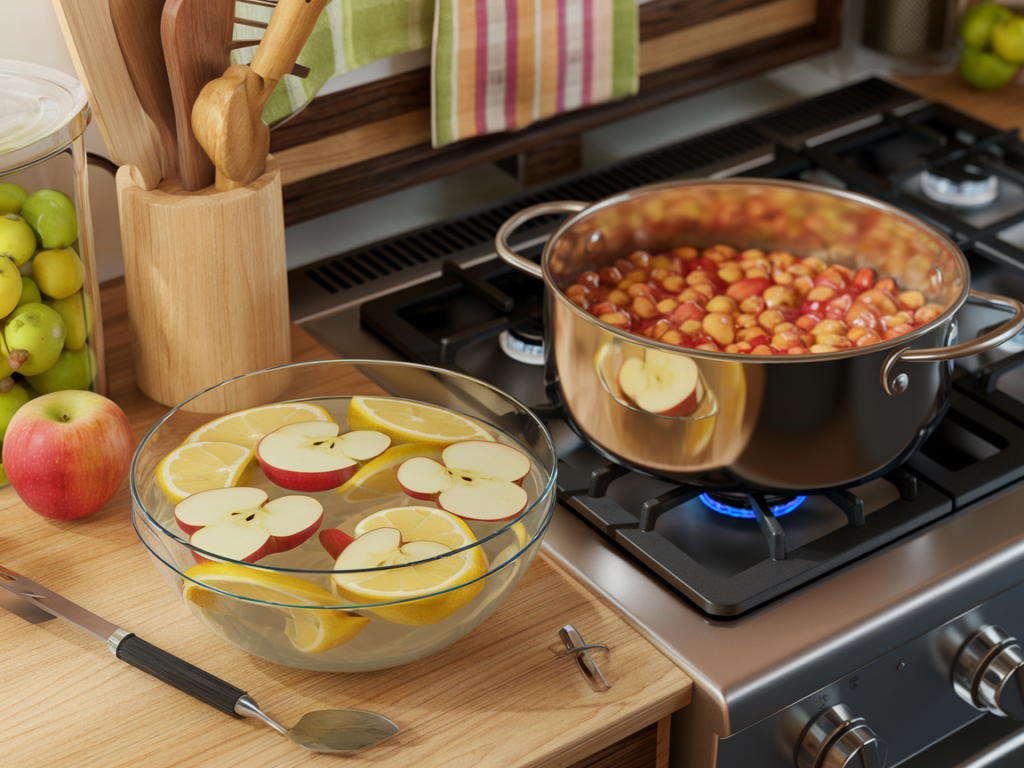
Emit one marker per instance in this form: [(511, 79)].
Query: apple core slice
[(476, 481), (311, 456), (662, 383), (240, 524)]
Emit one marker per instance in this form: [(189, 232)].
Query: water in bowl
[(262, 629)]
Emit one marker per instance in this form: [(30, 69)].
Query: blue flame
[(725, 509)]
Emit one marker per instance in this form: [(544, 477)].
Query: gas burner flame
[(725, 509)]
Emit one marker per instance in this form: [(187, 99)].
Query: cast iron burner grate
[(951, 471)]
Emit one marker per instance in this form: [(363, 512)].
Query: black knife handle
[(182, 675)]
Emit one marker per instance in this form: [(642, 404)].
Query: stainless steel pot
[(784, 423)]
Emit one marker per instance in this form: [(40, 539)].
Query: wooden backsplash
[(366, 141)]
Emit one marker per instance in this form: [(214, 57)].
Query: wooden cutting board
[(137, 26), (501, 697)]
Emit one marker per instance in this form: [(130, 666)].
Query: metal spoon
[(328, 730)]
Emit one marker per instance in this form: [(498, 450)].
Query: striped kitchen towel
[(350, 34), (500, 65)]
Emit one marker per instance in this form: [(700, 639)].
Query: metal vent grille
[(453, 236), (832, 108)]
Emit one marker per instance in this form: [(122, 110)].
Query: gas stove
[(831, 622)]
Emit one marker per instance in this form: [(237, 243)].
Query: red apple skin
[(487, 519), (306, 482), (259, 554), (334, 541), (284, 543), (67, 453)]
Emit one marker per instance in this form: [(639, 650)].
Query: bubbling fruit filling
[(750, 302)]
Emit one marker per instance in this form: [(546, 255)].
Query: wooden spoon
[(227, 116), (137, 26), (196, 37)]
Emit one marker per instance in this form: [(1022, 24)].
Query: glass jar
[(52, 337), (49, 296)]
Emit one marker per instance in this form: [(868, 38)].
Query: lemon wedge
[(203, 466), (245, 428), (405, 421), (425, 578), (377, 480), (310, 630)]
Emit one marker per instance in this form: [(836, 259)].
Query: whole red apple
[(66, 453)]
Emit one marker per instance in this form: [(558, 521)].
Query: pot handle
[(895, 385), (512, 258)]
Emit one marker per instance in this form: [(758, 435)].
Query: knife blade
[(19, 606), (41, 598)]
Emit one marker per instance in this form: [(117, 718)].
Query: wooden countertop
[(499, 697)]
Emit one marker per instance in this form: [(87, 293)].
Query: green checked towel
[(350, 34)]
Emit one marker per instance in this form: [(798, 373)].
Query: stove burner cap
[(737, 504), (525, 344), (963, 185)]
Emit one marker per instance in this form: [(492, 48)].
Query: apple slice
[(662, 383), (384, 547), (334, 541), (476, 481), (311, 456), (240, 524)]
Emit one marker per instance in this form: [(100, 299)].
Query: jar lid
[(41, 112)]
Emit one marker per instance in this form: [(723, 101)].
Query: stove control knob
[(838, 738), (989, 673)]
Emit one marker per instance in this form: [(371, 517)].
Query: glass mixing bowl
[(284, 608)]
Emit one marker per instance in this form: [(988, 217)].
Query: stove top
[(439, 296)]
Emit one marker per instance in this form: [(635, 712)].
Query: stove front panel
[(905, 696)]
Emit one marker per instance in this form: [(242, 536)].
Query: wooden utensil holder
[(206, 282)]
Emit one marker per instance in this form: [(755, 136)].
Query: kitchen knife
[(335, 730), (123, 644)]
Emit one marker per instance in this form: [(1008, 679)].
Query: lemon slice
[(245, 428), (377, 480), (405, 421), (426, 578), (204, 466), (308, 629)]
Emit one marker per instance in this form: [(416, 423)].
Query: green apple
[(76, 319), (5, 366), (3, 475), (29, 291), (39, 331), (985, 71), (12, 198), (17, 240), (74, 369), (976, 24), (58, 273), (10, 287), (1008, 40), (51, 214), (9, 403)]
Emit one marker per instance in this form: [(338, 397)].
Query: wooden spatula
[(137, 26), (227, 118), (196, 37), (129, 134)]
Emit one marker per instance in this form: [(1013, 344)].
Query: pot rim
[(802, 186)]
